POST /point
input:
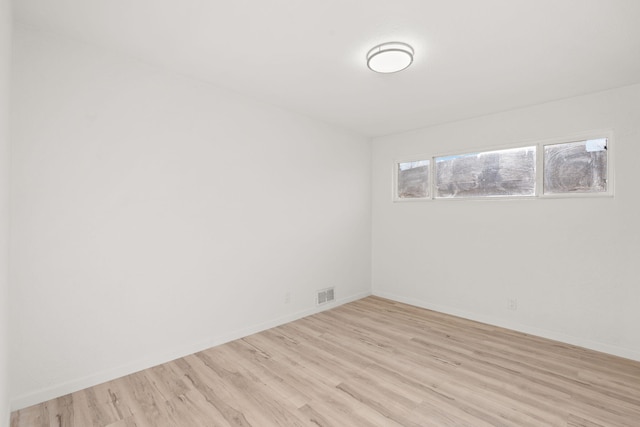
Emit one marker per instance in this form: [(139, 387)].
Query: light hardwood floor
[(372, 362)]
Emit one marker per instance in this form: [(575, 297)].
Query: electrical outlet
[(512, 304), (287, 297)]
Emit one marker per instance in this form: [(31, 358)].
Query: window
[(413, 180), (570, 167), (500, 173), (576, 167)]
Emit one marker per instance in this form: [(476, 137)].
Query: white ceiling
[(473, 57)]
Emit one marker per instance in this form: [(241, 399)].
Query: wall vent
[(325, 296)]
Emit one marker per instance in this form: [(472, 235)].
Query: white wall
[(154, 215), (5, 57), (572, 264)]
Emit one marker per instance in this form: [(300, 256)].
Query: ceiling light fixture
[(390, 57)]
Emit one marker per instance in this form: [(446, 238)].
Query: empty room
[(319, 213)]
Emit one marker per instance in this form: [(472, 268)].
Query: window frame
[(482, 151), (579, 137), (539, 178), (396, 180)]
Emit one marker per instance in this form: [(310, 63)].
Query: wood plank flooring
[(369, 363)]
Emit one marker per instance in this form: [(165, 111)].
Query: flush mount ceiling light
[(390, 57)]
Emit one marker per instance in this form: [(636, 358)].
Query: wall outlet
[(287, 297), (512, 304)]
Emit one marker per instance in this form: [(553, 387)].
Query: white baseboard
[(62, 389), (71, 386), (505, 323)]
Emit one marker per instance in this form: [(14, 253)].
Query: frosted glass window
[(413, 180), (502, 173), (576, 167)]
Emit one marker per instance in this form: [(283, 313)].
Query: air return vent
[(325, 296)]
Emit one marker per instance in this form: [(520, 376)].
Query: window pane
[(489, 174), (413, 180), (576, 167)]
